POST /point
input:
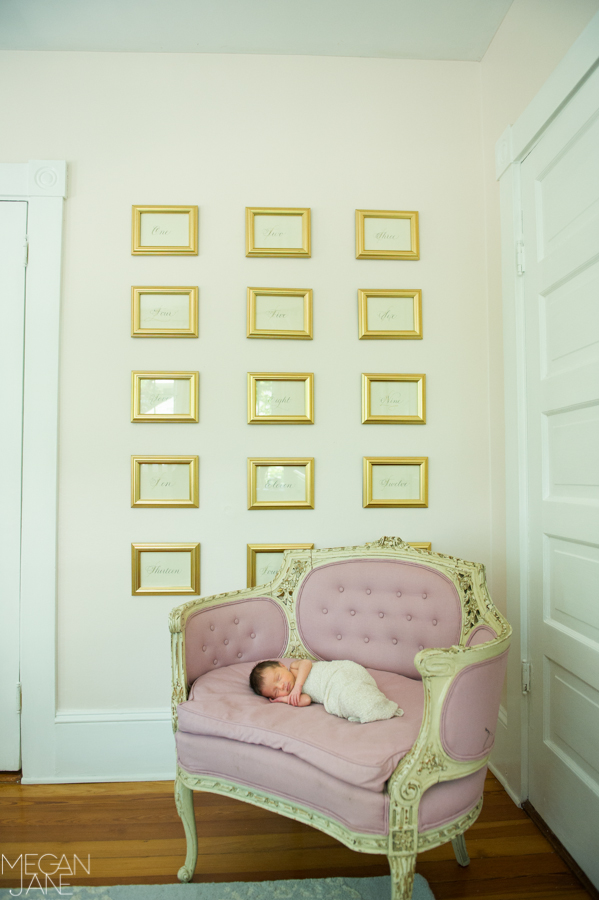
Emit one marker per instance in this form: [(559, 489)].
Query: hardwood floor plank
[(133, 835)]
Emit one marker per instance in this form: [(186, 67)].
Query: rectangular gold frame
[(370, 461), (191, 461), (253, 332), (192, 416), (250, 246), (420, 545), (362, 253), (398, 335), (138, 331), (254, 549), (306, 419), (137, 551), (254, 503), (139, 249), (368, 418)]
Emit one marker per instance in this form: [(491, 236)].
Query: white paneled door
[(560, 205), (13, 230)]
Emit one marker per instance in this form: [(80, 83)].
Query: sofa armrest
[(443, 750)]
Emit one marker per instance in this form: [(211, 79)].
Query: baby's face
[(277, 682)]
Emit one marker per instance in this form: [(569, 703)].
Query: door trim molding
[(42, 183)]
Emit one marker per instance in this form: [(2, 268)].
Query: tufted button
[(395, 640), (368, 591), (226, 642), (325, 611), (352, 612), (215, 661), (365, 640), (239, 656), (421, 647), (424, 596), (212, 628), (204, 648), (338, 637), (236, 621), (434, 621), (409, 618), (340, 590), (252, 635), (399, 593), (381, 615)]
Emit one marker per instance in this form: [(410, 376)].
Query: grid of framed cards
[(273, 398)]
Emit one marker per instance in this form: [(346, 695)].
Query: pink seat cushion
[(222, 704)]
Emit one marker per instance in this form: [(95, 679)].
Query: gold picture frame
[(420, 545), (155, 233), (164, 569), (277, 231), (168, 392), (286, 308), (390, 315), (387, 234), (161, 318), (389, 482), (156, 481), (402, 403), (268, 490), (254, 551), (280, 398)]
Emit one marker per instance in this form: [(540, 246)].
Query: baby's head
[(271, 679)]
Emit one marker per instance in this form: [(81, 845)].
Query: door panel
[(13, 229), (560, 205)]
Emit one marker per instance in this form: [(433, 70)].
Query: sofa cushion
[(222, 704), (378, 612)]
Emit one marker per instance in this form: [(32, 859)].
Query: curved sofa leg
[(459, 848), (184, 801), (402, 876)]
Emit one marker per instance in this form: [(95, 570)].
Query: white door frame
[(511, 762), (42, 183)]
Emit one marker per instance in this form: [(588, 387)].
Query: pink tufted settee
[(425, 627)]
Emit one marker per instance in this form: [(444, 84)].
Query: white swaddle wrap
[(347, 690)]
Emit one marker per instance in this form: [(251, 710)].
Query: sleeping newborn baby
[(345, 688)]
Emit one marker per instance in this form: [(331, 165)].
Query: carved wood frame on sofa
[(395, 589)]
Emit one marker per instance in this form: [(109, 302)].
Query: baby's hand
[(284, 699), (294, 697)]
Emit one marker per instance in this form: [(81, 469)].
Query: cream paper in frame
[(165, 481), (279, 313), (160, 569), (164, 396), (280, 398), (267, 566), (387, 234), (280, 483), (393, 398), (390, 313), (275, 232), (161, 229), (395, 482), (160, 311)]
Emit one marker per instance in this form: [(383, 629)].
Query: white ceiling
[(400, 29)]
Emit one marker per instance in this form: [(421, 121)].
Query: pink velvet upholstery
[(446, 801), (222, 704), (470, 710), (379, 613), (252, 629), (286, 776)]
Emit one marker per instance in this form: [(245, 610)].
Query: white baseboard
[(502, 781), (109, 745)]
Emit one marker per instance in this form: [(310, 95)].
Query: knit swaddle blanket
[(347, 690)]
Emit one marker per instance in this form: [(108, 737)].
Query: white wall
[(225, 132)]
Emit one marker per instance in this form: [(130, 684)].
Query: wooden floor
[(133, 835)]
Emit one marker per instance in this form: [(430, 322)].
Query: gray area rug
[(300, 889)]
